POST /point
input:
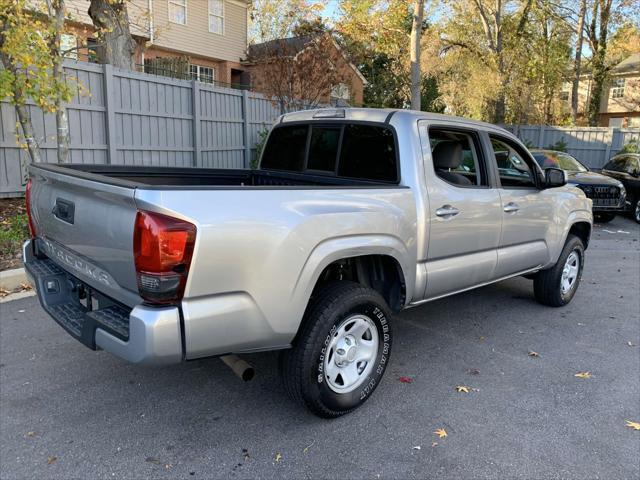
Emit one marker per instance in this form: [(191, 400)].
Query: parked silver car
[(354, 215)]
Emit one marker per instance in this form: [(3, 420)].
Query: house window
[(178, 11), (216, 16), (202, 74), (92, 50), (68, 46), (565, 92), (340, 93), (617, 88)]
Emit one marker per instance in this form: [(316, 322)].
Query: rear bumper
[(144, 335)]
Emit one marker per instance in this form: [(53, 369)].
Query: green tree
[(274, 19), (605, 17), (377, 36), (32, 67)]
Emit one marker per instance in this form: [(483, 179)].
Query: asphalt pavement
[(68, 412)]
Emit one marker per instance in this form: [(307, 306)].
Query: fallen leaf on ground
[(634, 425), (152, 460), (434, 444), (50, 460), (25, 287), (405, 380), (306, 449), (473, 371), (168, 466), (583, 375), (4, 292), (533, 354), (278, 457), (31, 434), (631, 344), (245, 454), (417, 447), (441, 432), (462, 389)]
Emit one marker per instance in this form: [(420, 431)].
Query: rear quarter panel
[(260, 251)]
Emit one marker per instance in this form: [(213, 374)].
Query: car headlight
[(623, 192)]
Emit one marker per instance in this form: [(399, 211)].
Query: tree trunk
[(501, 100), (577, 64), (599, 65), (416, 32), (111, 19), (24, 118), (62, 121)]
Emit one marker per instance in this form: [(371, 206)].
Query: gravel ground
[(68, 412)]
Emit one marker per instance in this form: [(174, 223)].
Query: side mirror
[(554, 177)]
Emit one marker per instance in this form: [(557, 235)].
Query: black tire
[(635, 210), (302, 366), (604, 217), (547, 285)]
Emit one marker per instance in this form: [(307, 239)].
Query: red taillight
[(163, 247), (27, 199)]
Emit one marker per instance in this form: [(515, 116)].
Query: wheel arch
[(381, 262)]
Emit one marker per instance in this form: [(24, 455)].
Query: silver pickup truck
[(353, 215)]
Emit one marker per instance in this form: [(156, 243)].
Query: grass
[(14, 230)]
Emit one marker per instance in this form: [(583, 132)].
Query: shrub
[(262, 139), (630, 147), (559, 146)]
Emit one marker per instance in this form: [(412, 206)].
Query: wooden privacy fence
[(131, 118), (593, 146)]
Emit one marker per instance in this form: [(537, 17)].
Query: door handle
[(511, 207), (447, 211)]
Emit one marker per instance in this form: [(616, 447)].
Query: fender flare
[(576, 216), (334, 249)]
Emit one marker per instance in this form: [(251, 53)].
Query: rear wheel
[(341, 352), (636, 210), (556, 286), (603, 217)]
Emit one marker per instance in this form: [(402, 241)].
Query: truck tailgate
[(86, 226)]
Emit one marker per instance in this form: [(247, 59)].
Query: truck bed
[(190, 178)]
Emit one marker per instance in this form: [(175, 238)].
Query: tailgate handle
[(64, 210)]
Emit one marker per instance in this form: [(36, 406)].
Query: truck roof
[(380, 115)]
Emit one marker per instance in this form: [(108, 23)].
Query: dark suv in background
[(608, 194), (626, 168)]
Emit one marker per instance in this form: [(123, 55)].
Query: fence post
[(110, 114), (195, 110), (611, 135), (245, 128), (541, 136)]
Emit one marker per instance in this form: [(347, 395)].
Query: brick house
[(212, 34), (349, 90), (620, 105)]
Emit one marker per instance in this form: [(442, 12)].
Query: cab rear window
[(347, 150)]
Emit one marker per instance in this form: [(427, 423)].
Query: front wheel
[(341, 351), (636, 210), (557, 285)]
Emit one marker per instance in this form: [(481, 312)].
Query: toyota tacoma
[(353, 216)]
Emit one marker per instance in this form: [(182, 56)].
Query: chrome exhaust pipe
[(238, 366)]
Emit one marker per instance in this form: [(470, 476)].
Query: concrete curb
[(18, 296), (12, 279)]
